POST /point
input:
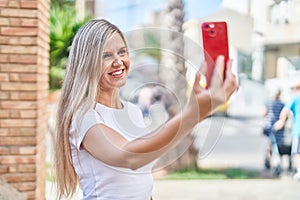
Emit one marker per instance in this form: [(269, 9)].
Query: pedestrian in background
[(276, 145), (272, 113), (101, 141), (145, 99), (293, 106)]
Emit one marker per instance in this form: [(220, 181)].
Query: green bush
[(56, 75), (63, 27), (213, 174)]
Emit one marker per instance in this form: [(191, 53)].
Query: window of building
[(280, 11)]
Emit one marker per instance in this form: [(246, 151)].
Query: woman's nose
[(117, 62)]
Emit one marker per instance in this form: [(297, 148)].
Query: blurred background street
[(241, 145)]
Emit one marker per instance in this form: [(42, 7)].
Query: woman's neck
[(110, 99)]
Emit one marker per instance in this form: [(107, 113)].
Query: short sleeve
[(136, 115), (81, 124), (289, 105)]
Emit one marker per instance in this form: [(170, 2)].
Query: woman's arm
[(110, 147)]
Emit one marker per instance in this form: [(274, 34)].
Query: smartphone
[(215, 42)]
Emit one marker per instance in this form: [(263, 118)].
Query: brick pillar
[(24, 63)]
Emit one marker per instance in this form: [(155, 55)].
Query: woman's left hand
[(205, 101)]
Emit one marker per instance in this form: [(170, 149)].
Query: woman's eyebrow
[(109, 51)]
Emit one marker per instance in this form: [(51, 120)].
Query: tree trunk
[(172, 74)]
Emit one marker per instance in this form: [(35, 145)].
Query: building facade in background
[(266, 31)]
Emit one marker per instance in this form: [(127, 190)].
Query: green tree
[(63, 3), (63, 27), (173, 74)]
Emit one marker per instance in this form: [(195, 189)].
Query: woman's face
[(115, 62)]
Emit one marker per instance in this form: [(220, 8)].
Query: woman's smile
[(117, 73)]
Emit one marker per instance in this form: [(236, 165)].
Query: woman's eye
[(122, 52), (106, 55)]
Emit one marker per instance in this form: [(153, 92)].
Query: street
[(231, 142)]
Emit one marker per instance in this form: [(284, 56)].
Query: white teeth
[(117, 72)]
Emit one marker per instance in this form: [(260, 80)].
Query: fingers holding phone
[(220, 81), (215, 43)]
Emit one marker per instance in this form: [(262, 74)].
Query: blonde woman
[(101, 140)]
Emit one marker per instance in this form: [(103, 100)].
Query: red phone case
[(215, 42)]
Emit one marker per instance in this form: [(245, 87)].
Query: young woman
[(101, 140)]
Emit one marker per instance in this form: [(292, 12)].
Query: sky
[(128, 14)]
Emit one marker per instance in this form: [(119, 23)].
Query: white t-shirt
[(102, 181)]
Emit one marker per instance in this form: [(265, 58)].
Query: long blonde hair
[(79, 90)]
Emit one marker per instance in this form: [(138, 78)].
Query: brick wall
[(24, 63)]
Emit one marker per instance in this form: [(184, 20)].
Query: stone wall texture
[(24, 66)]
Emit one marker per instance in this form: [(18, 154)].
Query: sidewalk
[(256, 189)]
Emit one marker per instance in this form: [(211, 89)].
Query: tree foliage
[(63, 27), (62, 3)]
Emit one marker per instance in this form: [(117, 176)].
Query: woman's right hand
[(204, 101)]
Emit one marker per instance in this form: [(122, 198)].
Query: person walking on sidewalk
[(293, 106), (272, 113), (100, 139)]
